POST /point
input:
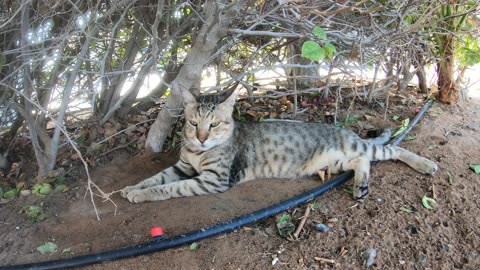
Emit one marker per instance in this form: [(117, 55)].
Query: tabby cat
[(218, 152)]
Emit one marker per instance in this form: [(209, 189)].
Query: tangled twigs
[(90, 182)]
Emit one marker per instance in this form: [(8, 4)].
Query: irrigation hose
[(227, 226)]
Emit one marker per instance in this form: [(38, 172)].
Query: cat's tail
[(382, 138)]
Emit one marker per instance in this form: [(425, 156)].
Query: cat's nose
[(202, 135)]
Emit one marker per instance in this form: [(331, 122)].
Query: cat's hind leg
[(361, 167), (420, 164)]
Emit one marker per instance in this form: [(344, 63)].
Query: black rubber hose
[(228, 226)]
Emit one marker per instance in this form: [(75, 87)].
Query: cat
[(218, 152)]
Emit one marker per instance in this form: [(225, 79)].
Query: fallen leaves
[(194, 246), (428, 202), (408, 210), (409, 138), (47, 248), (42, 189), (475, 168), (34, 213), (285, 226), (405, 123)]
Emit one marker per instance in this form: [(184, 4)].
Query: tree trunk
[(41, 157), (448, 90), (422, 79), (304, 77), (419, 64), (170, 74), (211, 32), (118, 81)]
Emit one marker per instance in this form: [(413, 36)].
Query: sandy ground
[(447, 237)]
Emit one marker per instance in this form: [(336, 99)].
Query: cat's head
[(207, 124)]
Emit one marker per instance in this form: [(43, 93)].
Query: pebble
[(25, 192), (322, 227), (369, 256), (275, 260)]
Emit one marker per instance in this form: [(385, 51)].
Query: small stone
[(322, 227), (25, 192), (275, 260), (332, 220), (402, 262), (369, 256)]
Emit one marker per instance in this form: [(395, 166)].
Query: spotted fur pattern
[(218, 152)]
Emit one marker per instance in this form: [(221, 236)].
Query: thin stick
[(302, 222), (324, 260)]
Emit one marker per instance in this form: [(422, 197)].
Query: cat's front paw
[(136, 196), (124, 192)]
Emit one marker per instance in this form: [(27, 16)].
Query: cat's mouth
[(202, 146)]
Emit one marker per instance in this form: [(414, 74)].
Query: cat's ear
[(188, 98), (230, 101)]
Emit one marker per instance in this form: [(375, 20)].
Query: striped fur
[(218, 153)]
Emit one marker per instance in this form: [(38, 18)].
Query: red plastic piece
[(156, 231)]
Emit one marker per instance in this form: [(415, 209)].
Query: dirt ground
[(446, 237)]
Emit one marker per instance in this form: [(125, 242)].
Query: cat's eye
[(193, 123), (214, 124)]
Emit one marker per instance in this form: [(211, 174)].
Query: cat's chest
[(196, 162), (220, 156)]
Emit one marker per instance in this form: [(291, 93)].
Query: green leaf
[(409, 138), (348, 190), (34, 213), (48, 247), (475, 168), (61, 188), (45, 189), (431, 146), (285, 226), (42, 189), (404, 126), (450, 178), (194, 246), (407, 210), (330, 49), (66, 250), (10, 194), (319, 32), (428, 202), (395, 117), (59, 179), (312, 51)]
